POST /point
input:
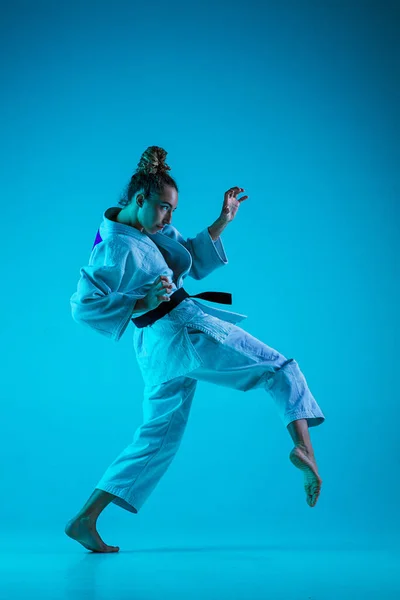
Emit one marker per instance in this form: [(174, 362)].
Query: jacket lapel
[(180, 257)]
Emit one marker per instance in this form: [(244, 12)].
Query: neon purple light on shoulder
[(98, 239)]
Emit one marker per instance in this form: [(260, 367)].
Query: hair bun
[(152, 161), (150, 176)]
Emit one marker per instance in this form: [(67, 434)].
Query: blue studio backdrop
[(295, 102)]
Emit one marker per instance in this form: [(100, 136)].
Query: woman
[(135, 273)]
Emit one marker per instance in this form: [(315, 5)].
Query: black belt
[(176, 298)]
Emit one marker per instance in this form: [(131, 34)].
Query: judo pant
[(241, 362)]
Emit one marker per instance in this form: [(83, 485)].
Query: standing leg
[(133, 475), (82, 527)]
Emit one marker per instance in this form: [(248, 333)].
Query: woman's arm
[(102, 301), (216, 229)]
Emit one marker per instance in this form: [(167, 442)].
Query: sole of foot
[(83, 530), (305, 461)]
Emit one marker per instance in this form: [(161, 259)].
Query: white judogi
[(192, 342), (122, 268)]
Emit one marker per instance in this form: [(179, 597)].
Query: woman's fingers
[(162, 297), (162, 283), (160, 293)]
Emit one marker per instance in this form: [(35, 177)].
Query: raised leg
[(302, 456)]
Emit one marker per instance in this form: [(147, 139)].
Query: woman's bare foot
[(303, 458), (83, 530)]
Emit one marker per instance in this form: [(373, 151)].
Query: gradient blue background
[(297, 102)]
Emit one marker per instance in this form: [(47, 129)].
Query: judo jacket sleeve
[(207, 254), (109, 287)]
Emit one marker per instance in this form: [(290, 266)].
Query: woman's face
[(157, 210)]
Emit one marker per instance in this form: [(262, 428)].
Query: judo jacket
[(123, 264)]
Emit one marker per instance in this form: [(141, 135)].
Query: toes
[(312, 493), (312, 498)]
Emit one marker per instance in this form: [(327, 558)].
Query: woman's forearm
[(216, 229)]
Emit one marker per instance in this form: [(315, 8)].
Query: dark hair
[(150, 176)]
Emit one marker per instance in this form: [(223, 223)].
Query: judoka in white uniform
[(192, 342)]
